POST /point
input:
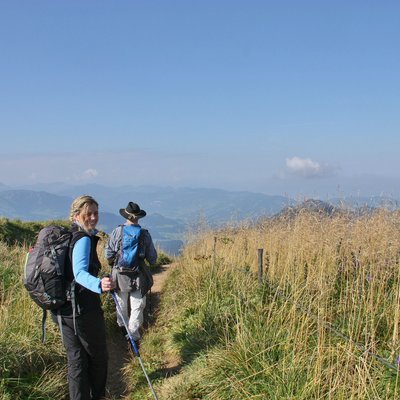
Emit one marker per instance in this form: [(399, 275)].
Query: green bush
[(163, 258), (16, 232)]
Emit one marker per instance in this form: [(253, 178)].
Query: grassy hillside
[(16, 232), (28, 368), (324, 323)]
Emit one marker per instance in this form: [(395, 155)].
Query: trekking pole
[(133, 343)]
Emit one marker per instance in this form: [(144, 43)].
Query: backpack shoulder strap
[(121, 236)]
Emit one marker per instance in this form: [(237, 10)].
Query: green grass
[(328, 304), (309, 332), (16, 232), (28, 368)]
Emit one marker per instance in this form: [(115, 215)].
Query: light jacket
[(123, 282)]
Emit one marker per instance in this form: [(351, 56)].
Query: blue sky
[(279, 97)]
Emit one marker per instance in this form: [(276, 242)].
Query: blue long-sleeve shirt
[(80, 265)]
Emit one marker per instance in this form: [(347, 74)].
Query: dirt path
[(119, 353)]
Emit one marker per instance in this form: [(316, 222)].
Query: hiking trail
[(119, 354)]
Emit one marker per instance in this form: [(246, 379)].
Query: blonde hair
[(79, 204)]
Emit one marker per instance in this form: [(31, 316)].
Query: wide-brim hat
[(132, 210)]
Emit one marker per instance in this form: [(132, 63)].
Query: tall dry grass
[(28, 368), (324, 324)]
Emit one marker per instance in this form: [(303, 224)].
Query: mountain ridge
[(169, 210)]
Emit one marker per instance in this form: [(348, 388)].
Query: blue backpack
[(130, 250)]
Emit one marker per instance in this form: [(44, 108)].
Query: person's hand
[(107, 284)]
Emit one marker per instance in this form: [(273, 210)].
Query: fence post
[(215, 251), (266, 265), (260, 265)]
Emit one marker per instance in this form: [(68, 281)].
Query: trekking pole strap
[(44, 317)]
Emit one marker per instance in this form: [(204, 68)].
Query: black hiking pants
[(87, 355)]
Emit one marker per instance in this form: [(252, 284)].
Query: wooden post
[(260, 265), (215, 251), (266, 265)]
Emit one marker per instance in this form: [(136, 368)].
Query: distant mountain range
[(170, 211)]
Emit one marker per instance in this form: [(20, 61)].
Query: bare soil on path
[(118, 348)]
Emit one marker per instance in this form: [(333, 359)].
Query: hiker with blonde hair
[(82, 321)]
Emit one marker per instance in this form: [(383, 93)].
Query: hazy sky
[(280, 97)]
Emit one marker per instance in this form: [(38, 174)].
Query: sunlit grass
[(323, 324), (28, 368)]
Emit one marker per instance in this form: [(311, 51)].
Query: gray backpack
[(45, 269)]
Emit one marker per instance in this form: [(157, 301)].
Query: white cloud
[(307, 168), (136, 167), (89, 174), (303, 165)]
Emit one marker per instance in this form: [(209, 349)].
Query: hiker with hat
[(128, 246)]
